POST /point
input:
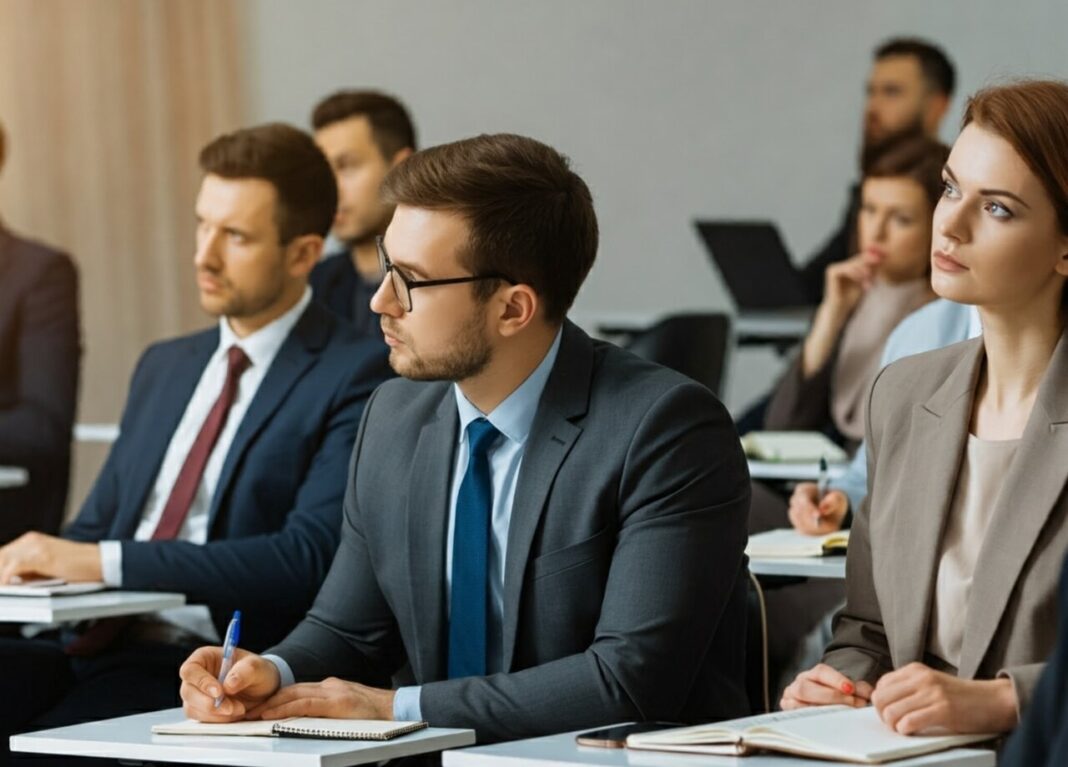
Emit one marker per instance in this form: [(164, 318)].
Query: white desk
[(762, 327), (561, 751), (797, 472), (96, 432), (79, 607), (12, 476), (799, 567), (130, 737)]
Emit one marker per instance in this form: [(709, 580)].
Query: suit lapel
[(168, 408), (426, 515), (1035, 481), (552, 435), (298, 353), (939, 434)]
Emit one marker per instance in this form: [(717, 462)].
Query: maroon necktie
[(185, 487)]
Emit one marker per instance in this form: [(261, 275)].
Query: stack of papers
[(48, 587)]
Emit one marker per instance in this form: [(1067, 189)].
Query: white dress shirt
[(261, 348)]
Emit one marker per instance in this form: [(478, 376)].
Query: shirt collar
[(975, 323), (263, 345), (514, 417)]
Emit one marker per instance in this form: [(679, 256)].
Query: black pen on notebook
[(822, 485)]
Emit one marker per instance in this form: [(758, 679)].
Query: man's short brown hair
[(391, 125), (531, 217), (290, 161)]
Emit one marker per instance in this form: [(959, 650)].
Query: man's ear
[(519, 305), (400, 156), (303, 253), (935, 109)]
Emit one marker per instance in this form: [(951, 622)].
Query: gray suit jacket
[(918, 423), (624, 592)]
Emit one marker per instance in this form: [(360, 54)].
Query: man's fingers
[(200, 670), (247, 672)]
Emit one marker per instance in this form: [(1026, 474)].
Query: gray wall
[(669, 110)]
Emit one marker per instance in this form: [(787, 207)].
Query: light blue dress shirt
[(513, 418), (939, 323)]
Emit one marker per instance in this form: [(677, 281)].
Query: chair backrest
[(757, 681), (693, 344)]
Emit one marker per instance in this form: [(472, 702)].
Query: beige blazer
[(918, 421)]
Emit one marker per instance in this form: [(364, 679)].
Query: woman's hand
[(917, 698), (812, 515), (846, 282), (824, 686)]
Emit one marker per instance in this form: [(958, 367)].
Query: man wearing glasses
[(542, 532)]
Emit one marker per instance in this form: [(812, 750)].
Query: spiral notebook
[(296, 727)]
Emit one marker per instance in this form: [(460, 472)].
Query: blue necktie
[(469, 606)]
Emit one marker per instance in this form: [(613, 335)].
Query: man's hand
[(332, 698), (917, 698), (36, 555), (811, 515), (824, 686), (251, 681)]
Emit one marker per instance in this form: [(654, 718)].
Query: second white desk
[(80, 607), (562, 751)]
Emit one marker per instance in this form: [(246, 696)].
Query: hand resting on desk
[(36, 555), (253, 690)]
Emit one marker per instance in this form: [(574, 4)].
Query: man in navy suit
[(363, 134), (227, 480), (40, 354)]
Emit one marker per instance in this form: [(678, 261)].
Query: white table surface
[(130, 737), (78, 607), (96, 432), (798, 472), (13, 476), (800, 567), (561, 751)]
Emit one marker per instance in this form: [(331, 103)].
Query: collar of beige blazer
[(939, 433)]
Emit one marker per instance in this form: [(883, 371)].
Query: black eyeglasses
[(403, 286)]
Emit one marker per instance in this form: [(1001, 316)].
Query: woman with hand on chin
[(865, 296), (954, 556)]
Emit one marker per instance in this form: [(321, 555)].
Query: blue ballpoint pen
[(233, 634)]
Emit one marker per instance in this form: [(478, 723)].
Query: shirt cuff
[(111, 563), (284, 671), (406, 705)]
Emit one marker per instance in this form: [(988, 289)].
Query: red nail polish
[(847, 688)]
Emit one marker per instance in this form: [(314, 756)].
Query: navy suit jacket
[(1042, 737), (40, 355), (276, 514), (340, 288)]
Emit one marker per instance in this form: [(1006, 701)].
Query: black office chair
[(693, 344)]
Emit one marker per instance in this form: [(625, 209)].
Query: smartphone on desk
[(616, 736)]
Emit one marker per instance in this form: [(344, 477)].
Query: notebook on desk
[(840, 733), (792, 447), (297, 727), (790, 543), (48, 587)]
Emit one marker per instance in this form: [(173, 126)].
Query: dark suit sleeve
[(683, 498), (39, 426), (96, 515), (801, 403), (350, 631), (1043, 732), (258, 572), (859, 648)]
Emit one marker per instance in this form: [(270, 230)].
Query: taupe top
[(861, 348), (982, 474)]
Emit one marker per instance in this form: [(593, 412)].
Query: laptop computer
[(755, 265)]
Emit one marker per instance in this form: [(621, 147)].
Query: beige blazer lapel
[(937, 436), (1032, 487)]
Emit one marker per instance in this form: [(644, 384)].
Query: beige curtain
[(105, 104)]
